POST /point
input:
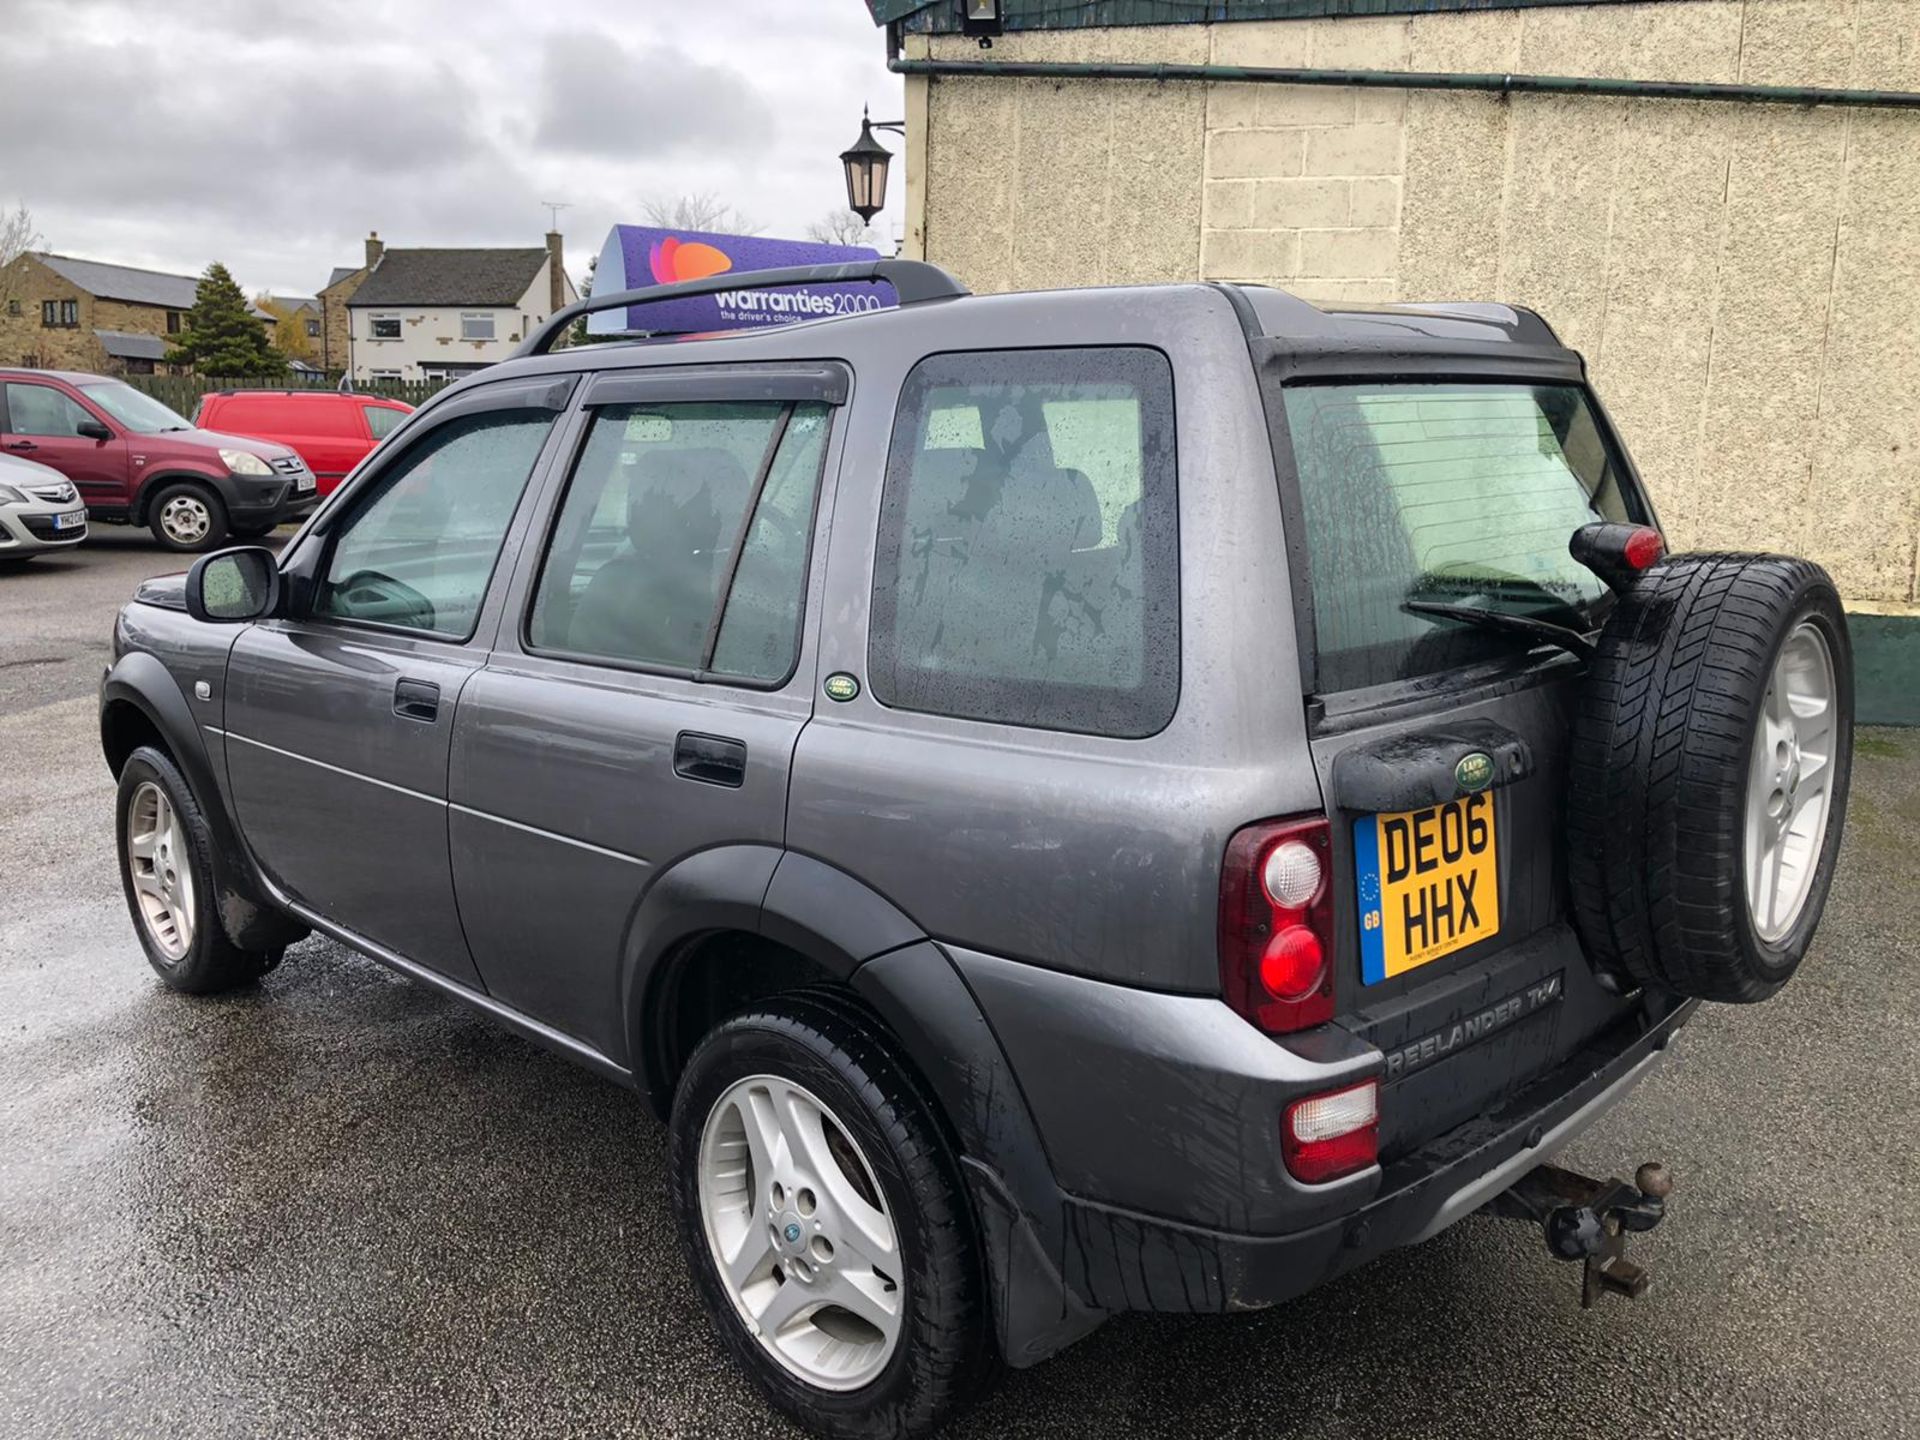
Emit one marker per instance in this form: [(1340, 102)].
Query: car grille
[(289, 465), (41, 527), (59, 494)]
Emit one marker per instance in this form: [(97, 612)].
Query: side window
[(42, 410), (421, 546), (682, 541), (1028, 561), (381, 421)]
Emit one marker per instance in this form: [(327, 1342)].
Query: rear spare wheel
[(1708, 776)]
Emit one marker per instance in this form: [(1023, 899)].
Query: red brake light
[(1324, 1137), (1276, 924), (1643, 547)]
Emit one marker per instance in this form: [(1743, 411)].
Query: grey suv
[(1068, 803)]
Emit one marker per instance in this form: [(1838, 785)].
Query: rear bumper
[(1116, 1260)]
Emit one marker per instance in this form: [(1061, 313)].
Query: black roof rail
[(914, 281)]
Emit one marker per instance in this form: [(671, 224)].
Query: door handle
[(21, 445), (710, 759), (416, 700)]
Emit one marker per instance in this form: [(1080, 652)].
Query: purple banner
[(635, 256)]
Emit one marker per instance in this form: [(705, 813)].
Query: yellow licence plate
[(1429, 884)]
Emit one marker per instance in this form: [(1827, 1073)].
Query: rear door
[(654, 646), (40, 421), (1440, 742), (340, 718)]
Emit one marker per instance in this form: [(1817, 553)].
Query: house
[(441, 314), (63, 312), (336, 325), (1738, 264)]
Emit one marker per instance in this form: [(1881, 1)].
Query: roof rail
[(914, 281)]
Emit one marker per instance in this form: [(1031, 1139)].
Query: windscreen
[(1444, 493)]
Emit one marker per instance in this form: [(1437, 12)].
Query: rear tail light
[(1325, 1137), (1276, 924)]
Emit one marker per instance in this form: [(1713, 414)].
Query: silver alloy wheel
[(799, 1231), (1788, 782), (159, 862), (186, 519)]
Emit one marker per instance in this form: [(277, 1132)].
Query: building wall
[(1743, 279), (24, 340), (336, 322), (431, 335)]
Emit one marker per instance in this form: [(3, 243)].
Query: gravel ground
[(339, 1205)]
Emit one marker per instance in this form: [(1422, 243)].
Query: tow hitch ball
[(1589, 1220)]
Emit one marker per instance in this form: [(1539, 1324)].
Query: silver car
[(39, 510)]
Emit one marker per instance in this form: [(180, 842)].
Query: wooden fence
[(183, 392)]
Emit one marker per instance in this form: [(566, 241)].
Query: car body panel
[(328, 429)]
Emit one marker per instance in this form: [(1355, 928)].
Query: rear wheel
[(166, 870), (826, 1222), (187, 517), (1709, 774)]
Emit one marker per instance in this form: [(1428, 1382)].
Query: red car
[(135, 462), (331, 431)]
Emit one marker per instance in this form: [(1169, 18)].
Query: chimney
[(556, 274), (374, 248)]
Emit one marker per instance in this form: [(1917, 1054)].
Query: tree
[(577, 333), (290, 336), (222, 336), (17, 237), (843, 227), (697, 210)]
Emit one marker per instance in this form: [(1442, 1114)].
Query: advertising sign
[(637, 255)]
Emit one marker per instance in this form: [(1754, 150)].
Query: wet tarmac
[(340, 1206)]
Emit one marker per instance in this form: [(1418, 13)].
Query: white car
[(39, 510)]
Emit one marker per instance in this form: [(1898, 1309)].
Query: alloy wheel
[(159, 864), (800, 1233), (1789, 782)]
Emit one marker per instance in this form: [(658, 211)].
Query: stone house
[(63, 312), (1735, 253)]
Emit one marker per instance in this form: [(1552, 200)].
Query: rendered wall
[(1745, 280)]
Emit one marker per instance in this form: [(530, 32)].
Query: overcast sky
[(273, 134)]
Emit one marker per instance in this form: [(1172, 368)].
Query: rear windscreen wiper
[(1569, 640)]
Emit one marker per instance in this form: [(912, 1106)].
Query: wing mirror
[(231, 587), (93, 430)]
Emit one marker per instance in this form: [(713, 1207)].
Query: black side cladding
[(1657, 792)]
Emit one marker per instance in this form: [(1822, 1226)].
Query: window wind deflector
[(1568, 639), (826, 384)]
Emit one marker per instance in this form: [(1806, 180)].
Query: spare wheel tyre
[(1707, 782)]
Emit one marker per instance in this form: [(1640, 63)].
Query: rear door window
[(1458, 493), (1027, 569), (382, 420), (682, 542)]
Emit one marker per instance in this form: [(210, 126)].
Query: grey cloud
[(597, 98)]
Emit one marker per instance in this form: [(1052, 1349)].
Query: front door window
[(421, 548)]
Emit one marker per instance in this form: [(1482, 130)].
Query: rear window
[(1028, 558), (1457, 493)]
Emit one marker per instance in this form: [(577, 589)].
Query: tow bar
[(1589, 1220)]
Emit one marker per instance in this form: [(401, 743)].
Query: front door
[(654, 644), (42, 422), (340, 717)]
